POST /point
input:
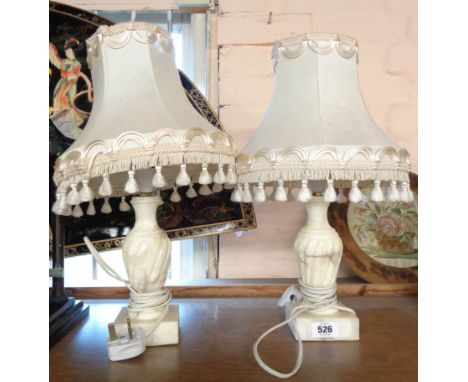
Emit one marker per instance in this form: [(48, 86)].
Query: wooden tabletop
[(217, 335)]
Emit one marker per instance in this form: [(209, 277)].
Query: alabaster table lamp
[(318, 138), (142, 136)]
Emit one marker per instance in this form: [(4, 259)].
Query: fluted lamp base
[(146, 253), (319, 249)]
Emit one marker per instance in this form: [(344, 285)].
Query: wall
[(243, 38)]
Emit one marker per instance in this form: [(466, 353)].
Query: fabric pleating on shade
[(317, 127), (143, 133)]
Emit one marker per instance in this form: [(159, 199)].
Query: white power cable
[(309, 299), (139, 301)]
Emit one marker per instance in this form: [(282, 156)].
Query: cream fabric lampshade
[(143, 134), (317, 129)]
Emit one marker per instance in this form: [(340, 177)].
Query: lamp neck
[(317, 217), (145, 212)]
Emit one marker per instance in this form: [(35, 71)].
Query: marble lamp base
[(166, 333), (331, 325)]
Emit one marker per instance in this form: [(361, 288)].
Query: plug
[(126, 345)]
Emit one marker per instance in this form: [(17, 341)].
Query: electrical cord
[(308, 299), (139, 302)]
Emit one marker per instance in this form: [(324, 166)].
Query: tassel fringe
[(217, 187), (91, 211), (191, 193), (106, 207), (158, 178), (86, 194), (73, 197), (219, 177), (123, 205), (105, 189), (131, 187), (236, 195), (280, 193), (231, 177), (330, 193), (304, 194), (377, 194), (77, 211), (355, 195), (392, 193), (260, 195), (204, 190), (175, 196), (405, 195), (205, 177), (246, 194), (183, 179)]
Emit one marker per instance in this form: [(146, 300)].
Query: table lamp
[(142, 136), (318, 137)]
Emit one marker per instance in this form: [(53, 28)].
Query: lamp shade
[(317, 127), (143, 133)]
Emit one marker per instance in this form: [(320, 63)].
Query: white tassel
[(377, 194), (246, 194), (405, 196), (183, 179), (86, 194), (191, 193), (77, 211), (217, 187), (228, 186), (106, 207), (55, 206), (219, 177), (236, 195), (231, 177), (105, 189), (91, 210), (175, 196), (131, 187), (158, 178), (62, 204), (304, 194), (260, 195), (330, 193), (123, 205), (204, 190), (355, 195), (205, 177), (73, 197), (341, 198), (280, 193), (392, 193), (67, 211)]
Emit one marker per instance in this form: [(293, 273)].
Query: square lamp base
[(166, 333), (331, 325)]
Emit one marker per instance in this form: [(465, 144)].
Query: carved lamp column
[(142, 136), (317, 139)]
